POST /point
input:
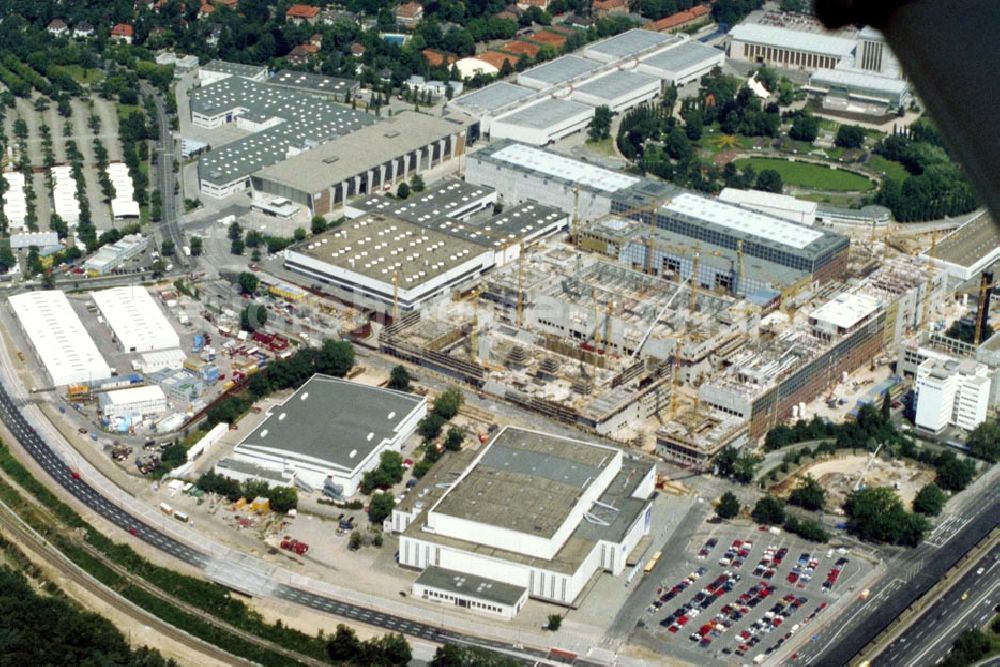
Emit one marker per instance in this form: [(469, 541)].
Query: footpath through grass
[(809, 175)]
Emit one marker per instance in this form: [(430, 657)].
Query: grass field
[(806, 175), (601, 147), (83, 76), (891, 168)]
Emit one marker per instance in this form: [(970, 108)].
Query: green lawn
[(845, 200), (806, 175), (81, 75), (601, 147), (892, 169)]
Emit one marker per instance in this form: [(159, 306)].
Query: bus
[(651, 563)]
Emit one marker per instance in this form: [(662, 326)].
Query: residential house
[(57, 28), (205, 11), (83, 29), (357, 49), (604, 8), (525, 4), (299, 13), (122, 32), (409, 14), (681, 20), (300, 54)]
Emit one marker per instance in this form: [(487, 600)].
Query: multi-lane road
[(72, 481), (165, 176), (968, 602)]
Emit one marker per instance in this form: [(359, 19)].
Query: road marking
[(960, 619)]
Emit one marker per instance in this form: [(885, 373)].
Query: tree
[(355, 542), (417, 183), (403, 191), (679, 146), (769, 510), (725, 461), (252, 318), (930, 500), (971, 646), (430, 426), (167, 247), (282, 498), (805, 127), (729, 506), (744, 468), (808, 495), (886, 411), (196, 246), (769, 180), (850, 136), (453, 441), (768, 78), (984, 440), (248, 283), (336, 357), (555, 622), (380, 507), (235, 231), (455, 655), (237, 247), (318, 224), (299, 234), (953, 473), (600, 124), (448, 403), (399, 378), (344, 645), (876, 514), (694, 123), (808, 529)]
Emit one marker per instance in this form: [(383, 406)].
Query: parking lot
[(741, 592)]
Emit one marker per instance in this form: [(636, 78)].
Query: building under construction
[(793, 363), (694, 437)]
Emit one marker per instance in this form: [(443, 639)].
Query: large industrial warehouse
[(59, 338), (327, 435), (372, 159), (619, 91), (543, 122), (631, 44), (562, 70), (681, 63), (537, 512), (491, 101), (136, 320)]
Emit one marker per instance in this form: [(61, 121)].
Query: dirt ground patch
[(838, 477)]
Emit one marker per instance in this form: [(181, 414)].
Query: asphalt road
[(968, 603), (28, 437), (165, 176), (912, 574)]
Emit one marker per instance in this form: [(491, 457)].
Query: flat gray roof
[(303, 120), (526, 481), (968, 244), (563, 169), (687, 54), (630, 43), (333, 420), (246, 468), (380, 246), (545, 114), (508, 228), (351, 154), (313, 83), (433, 204), (616, 84), (858, 80), (462, 583), (236, 69), (491, 98), (560, 70), (795, 40)]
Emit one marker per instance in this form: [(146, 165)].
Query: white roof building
[(842, 314), (123, 206), (138, 323), (772, 203), (952, 391), (64, 195), (133, 403), (15, 207), (543, 122), (40, 240), (60, 340), (739, 220)]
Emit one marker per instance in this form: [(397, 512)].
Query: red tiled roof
[(437, 58), (409, 10), (227, 3), (121, 30), (302, 12), (521, 48), (206, 9), (496, 58), (679, 19)]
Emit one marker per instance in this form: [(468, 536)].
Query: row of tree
[(281, 498)]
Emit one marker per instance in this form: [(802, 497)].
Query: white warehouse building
[(59, 338), (327, 435), (537, 512), (543, 122), (133, 403), (772, 203), (15, 205), (619, 90), (683, 62), (136, 320)]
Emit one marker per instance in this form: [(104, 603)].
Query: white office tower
[(952, 392)]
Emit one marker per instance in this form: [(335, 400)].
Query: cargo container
[(210, 374), (181, 516), (197, 343), (166, 509)]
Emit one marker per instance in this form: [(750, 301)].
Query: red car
[(132, 530)]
